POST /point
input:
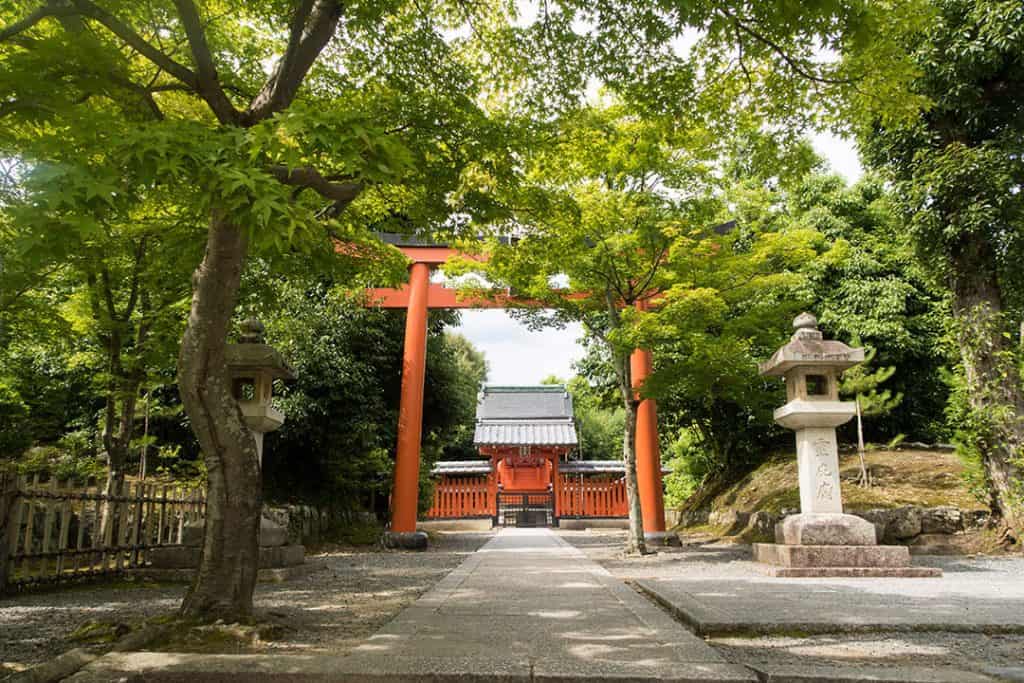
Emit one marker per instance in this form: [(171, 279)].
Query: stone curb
[(866, 674), (706, 621)]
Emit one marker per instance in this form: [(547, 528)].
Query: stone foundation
[(832, 555), (405, 540), (187, 557)]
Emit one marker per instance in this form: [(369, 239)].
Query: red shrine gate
[(417, 298)]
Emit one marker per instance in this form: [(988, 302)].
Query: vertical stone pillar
[(405, 492)]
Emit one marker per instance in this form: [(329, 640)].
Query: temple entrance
[(526, 509), (527, 453)]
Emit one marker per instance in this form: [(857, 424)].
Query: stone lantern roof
[(807, 348), (251, 354)]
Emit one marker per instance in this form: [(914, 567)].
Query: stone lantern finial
[(805, 321), (251, 331)]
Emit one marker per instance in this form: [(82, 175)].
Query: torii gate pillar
[(648, 451), (405, 491)]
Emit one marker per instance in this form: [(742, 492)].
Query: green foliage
[(689, 464), (338, 440), (599, 422), (864, 385), (12, 412)]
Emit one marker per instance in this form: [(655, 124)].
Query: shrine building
[(529, 472)]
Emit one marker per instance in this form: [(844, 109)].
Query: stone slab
[(832, 555), (528, 596), (468, 524), (187, 557), (268, 575), (405, 540), (593, 523), (758, 605), (825, 529), (161, 667), (853, 572), (867, 674)]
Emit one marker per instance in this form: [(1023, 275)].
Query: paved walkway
[(980, 595), (530, 605)]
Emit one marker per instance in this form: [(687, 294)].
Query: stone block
[(825, 529), (944, 519), (853, 572), (192, 533), (976, 519), (405, 540), (904, 523), (762, 523), (732, 520), (272, 534), (832, 555), (187, 557), (880, 518), (274, 557), (174, 557)]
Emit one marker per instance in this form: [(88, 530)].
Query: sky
[(516, 355)]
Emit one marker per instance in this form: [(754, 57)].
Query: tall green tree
[(284, 124), (957, 171)]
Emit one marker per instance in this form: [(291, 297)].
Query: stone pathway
[(527, 606)]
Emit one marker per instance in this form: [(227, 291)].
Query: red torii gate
[(417, 298)]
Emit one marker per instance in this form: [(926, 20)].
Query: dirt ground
[(969, 651), (327, 611)]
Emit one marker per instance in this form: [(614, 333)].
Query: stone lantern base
[(834, 544), (274, 551)]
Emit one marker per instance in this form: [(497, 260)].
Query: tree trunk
[(993, 378), (865, 476), (635, 544), (224, 582)]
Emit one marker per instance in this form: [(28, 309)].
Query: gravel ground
[(326, 611), (708, 563)]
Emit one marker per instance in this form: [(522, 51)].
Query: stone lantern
[(822, 540), (254, 366)]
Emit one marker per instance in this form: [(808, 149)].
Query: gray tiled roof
[(525, 416), (526, 433), (549, 402), (461, 467)]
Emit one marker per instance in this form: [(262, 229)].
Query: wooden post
[(65, 527), (405, 492)]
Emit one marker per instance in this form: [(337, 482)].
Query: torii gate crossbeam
[(417, 298)]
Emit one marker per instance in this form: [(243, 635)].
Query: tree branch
[(792, 62), (208, 81), (138, 43), (307, 177), (312, 27), (50, 9)]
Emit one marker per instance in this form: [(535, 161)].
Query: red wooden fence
[(462, 497), (591, 497)]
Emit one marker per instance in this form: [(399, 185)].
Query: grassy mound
[(900, 477)]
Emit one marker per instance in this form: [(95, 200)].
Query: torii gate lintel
[(417, 298)]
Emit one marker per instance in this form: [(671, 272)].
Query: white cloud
[(517, 355)]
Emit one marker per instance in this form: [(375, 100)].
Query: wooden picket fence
[(52, 531), (462, 497), (603, 496)]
